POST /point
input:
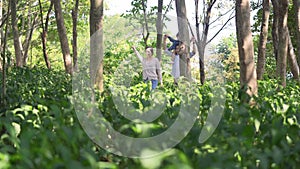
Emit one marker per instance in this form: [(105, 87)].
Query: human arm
[(165, 42), (171, 39), (137, 53), (167, 52)]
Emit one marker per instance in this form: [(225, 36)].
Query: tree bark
[(74, 42), (17, 42), (1, 32), (3, 47), (44, 33), (146, 27), (63, 36), (296, 4), (292, 59), (263, 40), (275, 27), (159, 29), (96, 43), (30, 28), (283, 41), (245, 46), (202, 41), (183, 36)]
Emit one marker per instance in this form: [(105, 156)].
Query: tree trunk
[(146, 27), (263, 40), (74, 42), (283, 41), (1, 33), (63, 36), (96, 43), (199, 47), (3, 47), (44, 33), (202, 42), (17, 42), (159, 29), (245, 46), (183, 36), (296, 4), (30, 28), (292, 59), (275, 27)]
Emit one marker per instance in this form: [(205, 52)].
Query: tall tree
[(146, 32), (3, 50), (31, 23), (63, 36), (275, 23), (263, 39), (245, 47), (144, 18), (183, 36), (292, 59), (159, 29), (282, 41), (15, 30), (96, 43), (296, 4), (205, 18), (1, 30), (45, 32), (207, 9), (74, 41)]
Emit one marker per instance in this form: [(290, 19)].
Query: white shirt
[(175, 65)]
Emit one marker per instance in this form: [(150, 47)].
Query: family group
[(152, 67)]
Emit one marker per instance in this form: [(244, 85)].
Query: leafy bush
[(39, 127)]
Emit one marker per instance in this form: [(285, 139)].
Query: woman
[(151, 67)]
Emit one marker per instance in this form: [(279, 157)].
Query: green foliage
[(227, 53), (39, 128), (225, 46)]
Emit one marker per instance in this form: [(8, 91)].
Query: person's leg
[(154, 84)]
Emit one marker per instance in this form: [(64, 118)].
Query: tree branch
[(220, 29)]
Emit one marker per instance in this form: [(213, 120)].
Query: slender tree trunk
[(63, 36), (263, 40), (275, 27), (297, 11), (201, 45), (3, 47), (245, 46), (44, 33), (159, 29), (30, 28), (283, 41), (145, 27), (183, 36), (74, 44), (1, 32), (17, 42), (96, 43), (292, 59)]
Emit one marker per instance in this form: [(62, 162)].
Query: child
[(175, 59), (174, 42)]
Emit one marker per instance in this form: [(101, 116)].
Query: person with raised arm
[(174, 58), (151, 67)]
